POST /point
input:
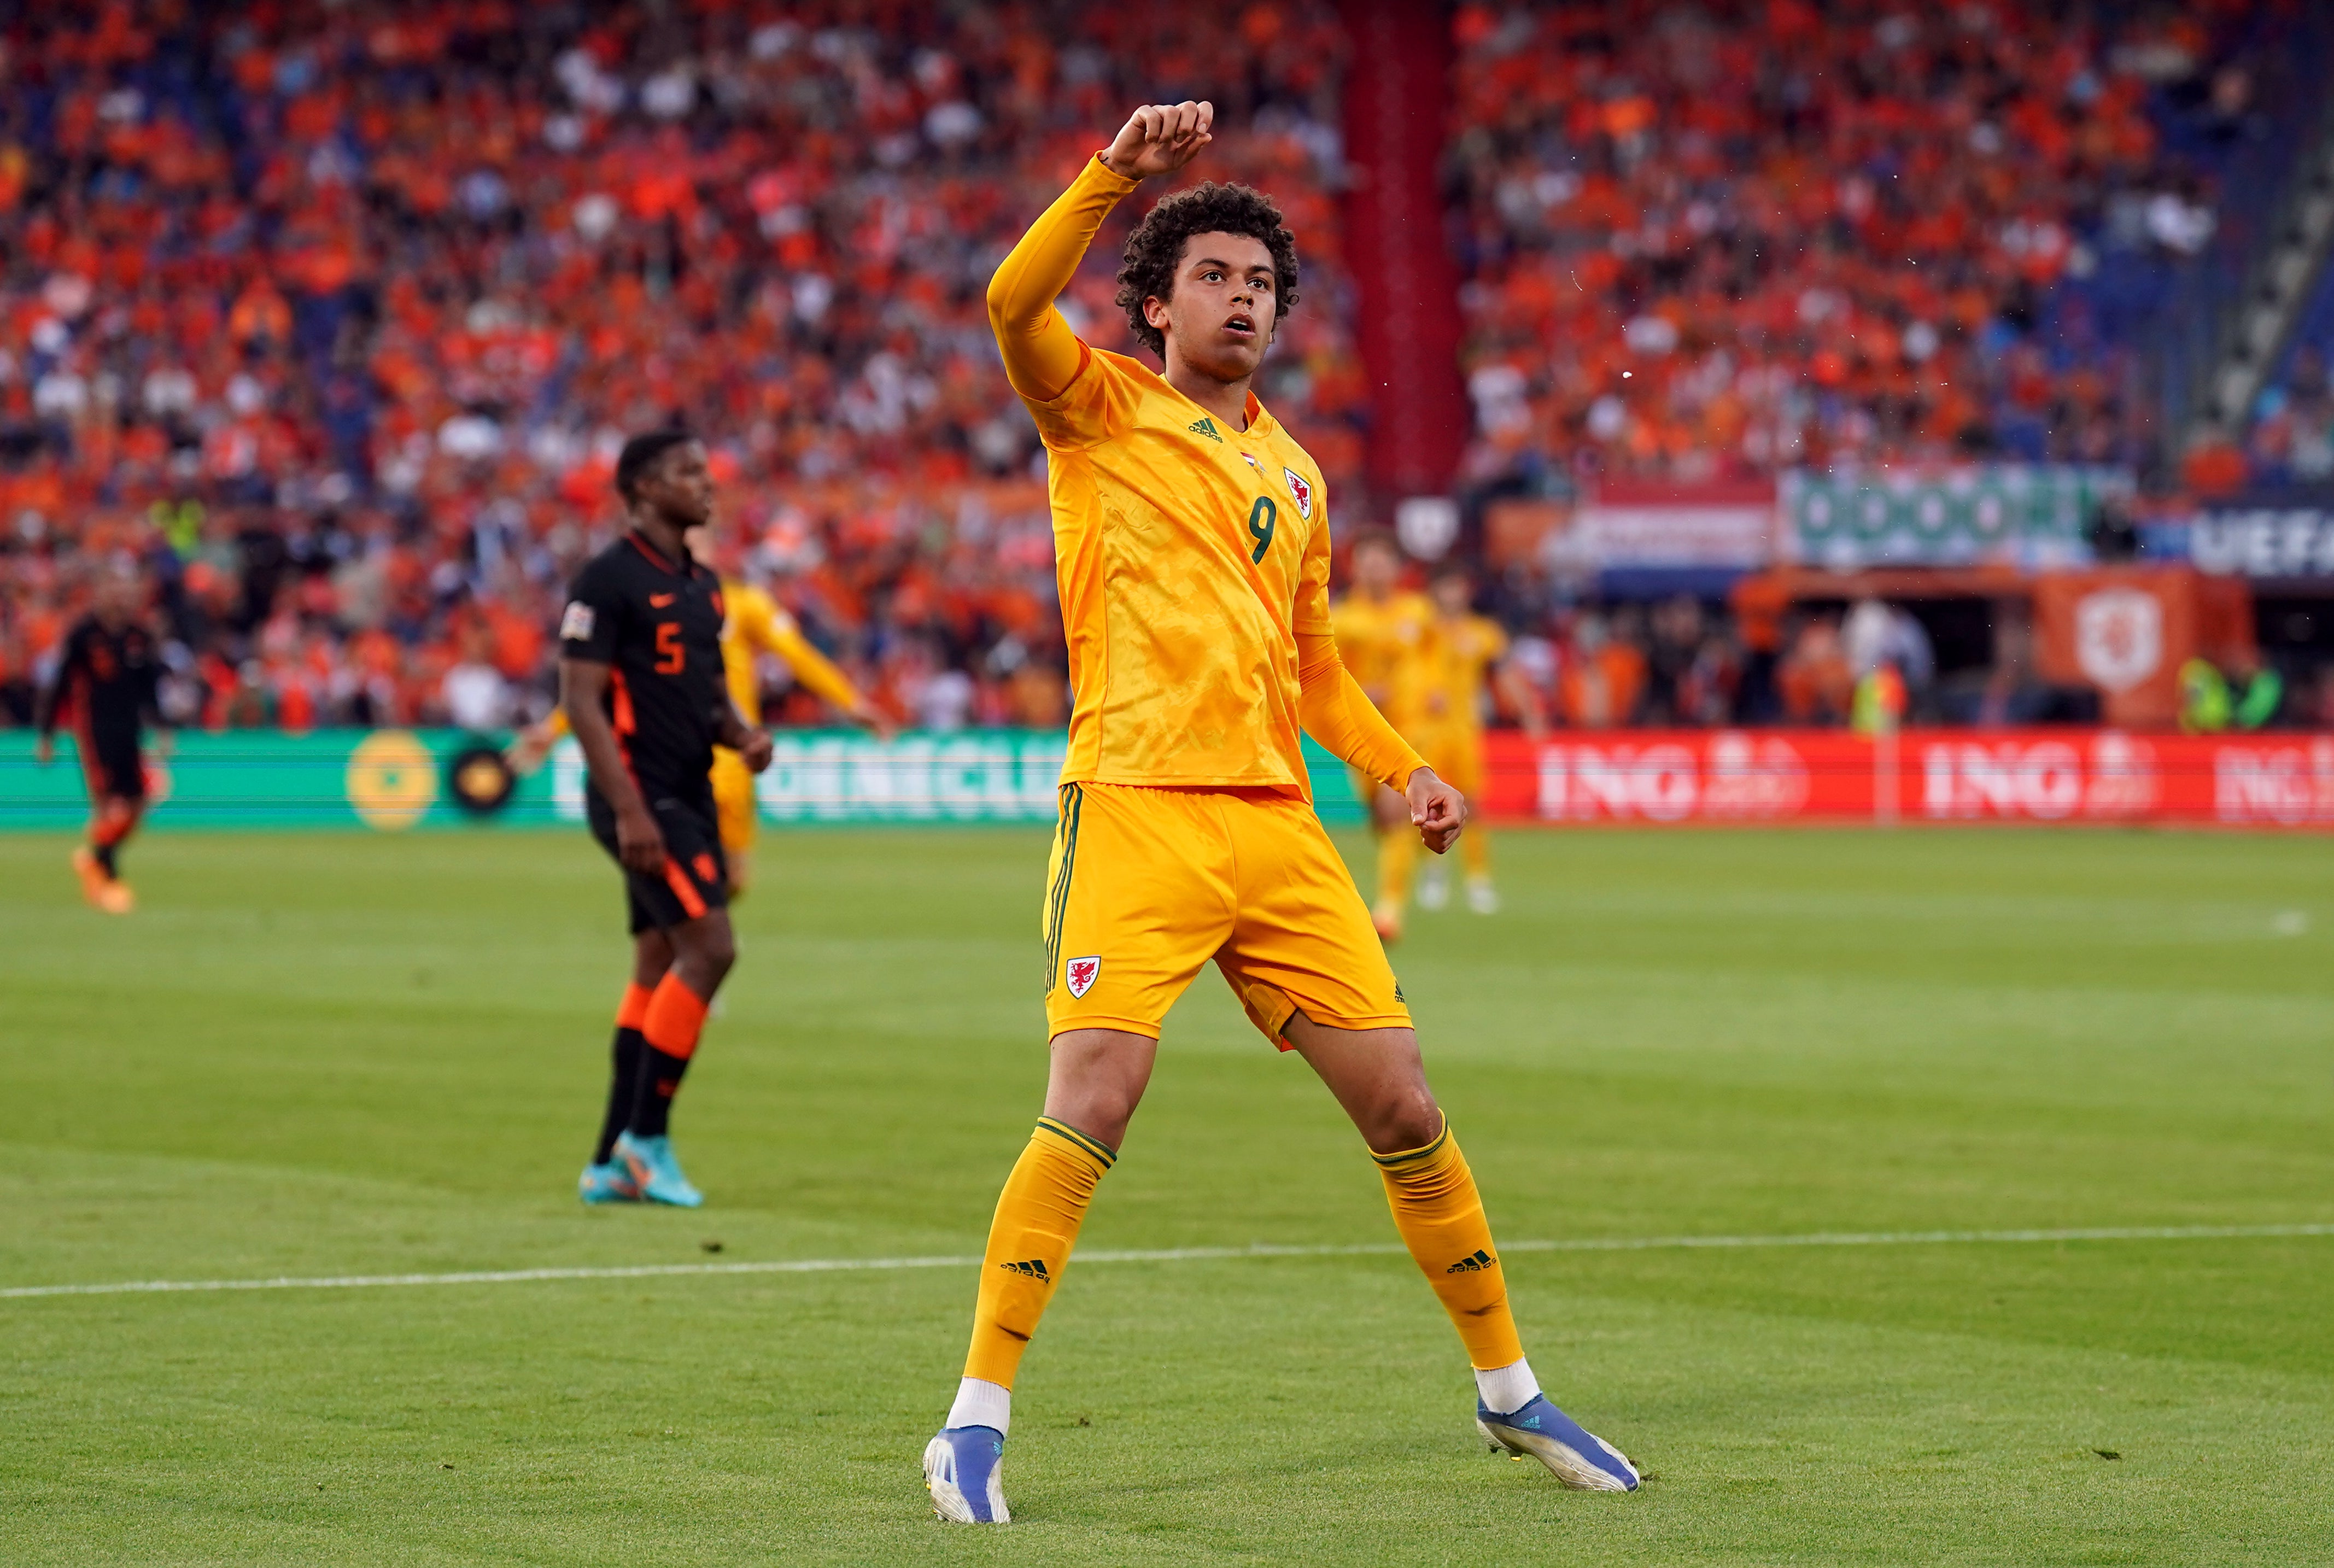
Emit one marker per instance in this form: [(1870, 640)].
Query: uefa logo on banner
[(2119, 637)]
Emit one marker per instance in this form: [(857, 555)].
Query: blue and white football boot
[(607, 1182), (657, 1171), (1574, 1455), (961, 1468)]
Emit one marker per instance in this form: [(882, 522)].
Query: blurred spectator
[(1603, 680), (477, 697), (1878, 636), (1816, 681), (1760, 600), (2292, 440)]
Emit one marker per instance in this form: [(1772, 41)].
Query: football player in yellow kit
[(754, 624), (758, 624), (1381, 630), (1191, 547), (1441, 711)]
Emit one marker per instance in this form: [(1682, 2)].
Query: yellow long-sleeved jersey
[(1192, 558), (755, 623), (1378, 638), (1442, 688)]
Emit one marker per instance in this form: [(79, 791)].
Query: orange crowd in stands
[(1719, 241), (334, 315)]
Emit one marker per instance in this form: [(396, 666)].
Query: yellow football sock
[(1029, 1240), (1475, 848), (1441, 1216), (1397, 853)]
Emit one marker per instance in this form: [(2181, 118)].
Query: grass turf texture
[(324, 1056)]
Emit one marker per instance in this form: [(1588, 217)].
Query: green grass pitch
[(319, 1056)]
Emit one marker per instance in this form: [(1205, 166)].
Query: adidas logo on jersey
[(1475, 1264), (1205, 426), (1035, 1269)]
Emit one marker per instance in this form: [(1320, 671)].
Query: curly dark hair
[(1155, 249)]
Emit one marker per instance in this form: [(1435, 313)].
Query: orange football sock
[(1029, 1240), (1441, 1216), (674, 1017), (668, 1028)]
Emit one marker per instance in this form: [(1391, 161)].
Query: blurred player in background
[(1381, 632), (640, 681), (1442, 711), (754, 624), (1191, 545), (107, 679)]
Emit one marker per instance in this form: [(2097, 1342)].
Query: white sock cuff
[(986, 1404), (1506, 1390)]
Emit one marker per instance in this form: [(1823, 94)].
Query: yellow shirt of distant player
[(756, 624), (1189, 557), (1379, 638), (1442, 690)]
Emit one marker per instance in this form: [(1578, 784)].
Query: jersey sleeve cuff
[(1101, 174)]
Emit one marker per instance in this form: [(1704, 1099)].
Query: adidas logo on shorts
[(1475, 1264), (1035, 1269)]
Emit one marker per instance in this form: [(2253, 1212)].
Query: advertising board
[(395, 781), (1663, 778), (2033, 516)]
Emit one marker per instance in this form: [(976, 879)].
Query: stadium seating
[(334, 315), (336, 312), (1712, 242), (2292, 439)]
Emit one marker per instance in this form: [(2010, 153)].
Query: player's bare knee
[(708, 947), (1406, 1117)]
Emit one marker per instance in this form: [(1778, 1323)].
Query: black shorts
[(696, 878), (114, 766)]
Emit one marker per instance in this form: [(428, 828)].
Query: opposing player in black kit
[(106, 681), (640, 679)]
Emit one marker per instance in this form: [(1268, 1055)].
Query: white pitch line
[(1179, 1255)]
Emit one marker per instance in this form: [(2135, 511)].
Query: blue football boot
[(607, 1182), (656, 1171), (962, 1469), (1577, 1457)]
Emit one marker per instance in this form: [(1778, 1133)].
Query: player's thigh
[(1138, 895), (1095, 1078), (120, 771), (1302, 941), (734, 807), (693, 879), (695, 868), (1377, 1077)]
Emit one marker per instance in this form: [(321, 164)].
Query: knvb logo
[(1034, 1269), (1475, 1264)]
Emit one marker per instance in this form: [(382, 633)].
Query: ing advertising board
[(1746, 777)]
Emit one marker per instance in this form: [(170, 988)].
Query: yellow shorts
[(1146, 885), (734, 807), (1456, 755)]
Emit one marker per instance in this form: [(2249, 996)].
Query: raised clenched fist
[(1160, 139)]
